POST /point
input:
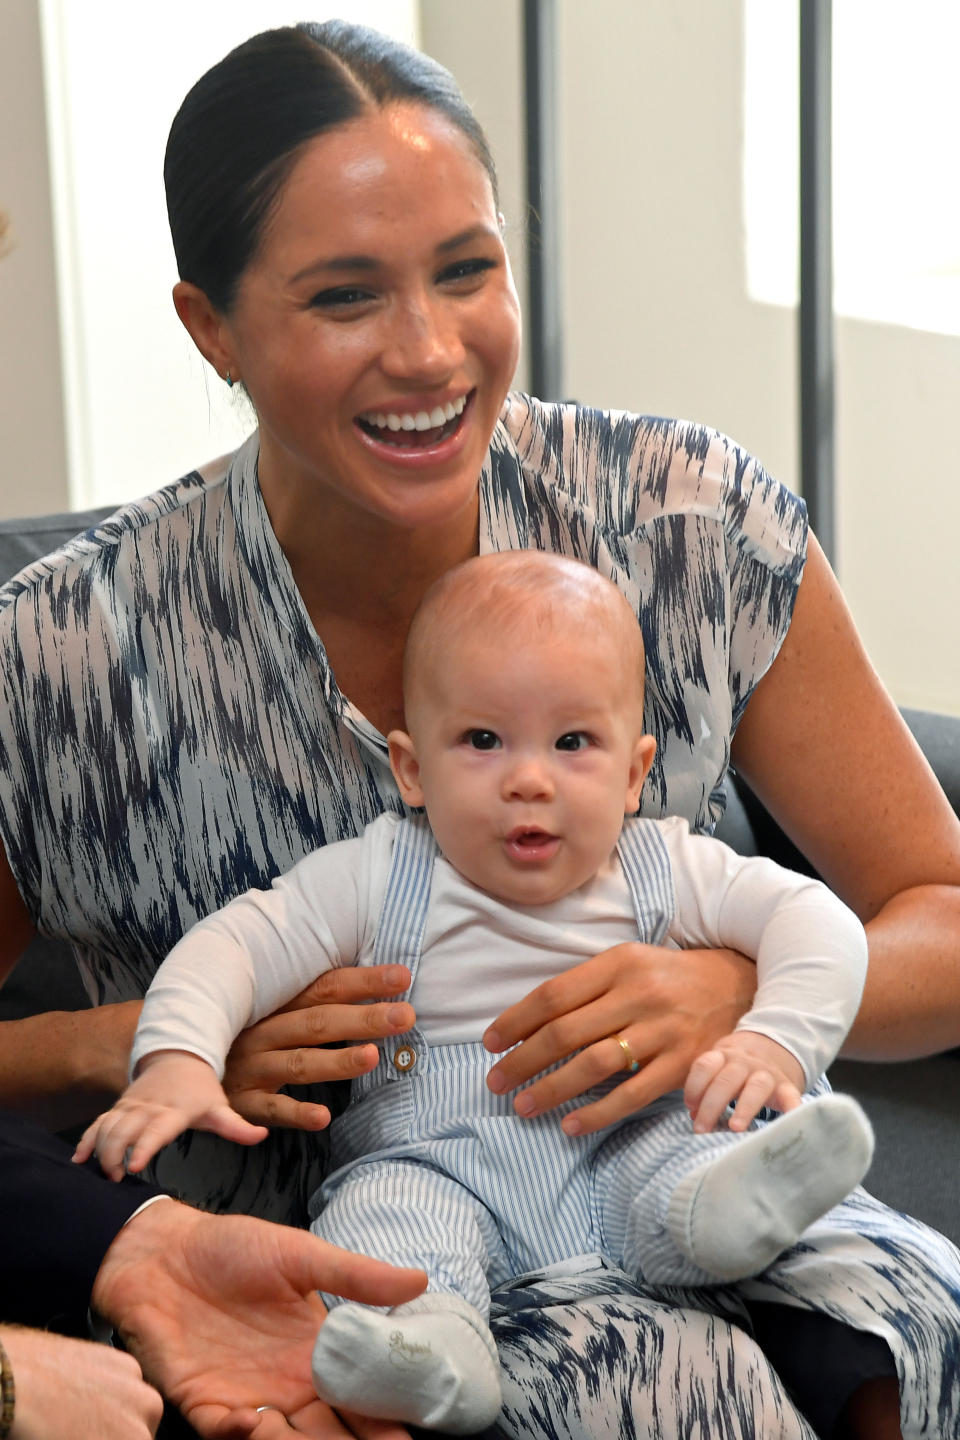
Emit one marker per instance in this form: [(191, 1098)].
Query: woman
[(197, 695)]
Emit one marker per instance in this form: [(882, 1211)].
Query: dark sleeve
[(57, 1221)]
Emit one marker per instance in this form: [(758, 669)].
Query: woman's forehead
[(379, 167)]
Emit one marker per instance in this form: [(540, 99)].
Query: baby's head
[(523, 695)]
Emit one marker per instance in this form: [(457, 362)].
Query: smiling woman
[(368, 306), (197, 694)]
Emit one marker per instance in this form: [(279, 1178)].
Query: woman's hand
[(668, 1005), (288, 1048)]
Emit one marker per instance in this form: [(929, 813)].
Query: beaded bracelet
[(8, 1394)]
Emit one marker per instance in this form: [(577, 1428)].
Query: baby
[(523, 692)]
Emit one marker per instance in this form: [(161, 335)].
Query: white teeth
[(439, 415)]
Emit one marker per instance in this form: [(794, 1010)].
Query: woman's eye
[(342, 297), (573, 740), (482, 740), (465, 270)]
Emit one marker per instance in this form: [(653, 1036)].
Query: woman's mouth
[(415, 429)]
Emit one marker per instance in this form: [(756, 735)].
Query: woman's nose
[(424, 345)]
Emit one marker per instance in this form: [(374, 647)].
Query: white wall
[(33, 475)]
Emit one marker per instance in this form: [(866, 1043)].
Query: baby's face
[(527, 761)]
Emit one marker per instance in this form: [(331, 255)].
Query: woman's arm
[(826, 750), (62, 1068)]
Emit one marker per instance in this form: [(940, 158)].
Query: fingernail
[(395, 977), (399, 1017), (570, 1125), (525, 1105), (492, 1041), (496, 1082)]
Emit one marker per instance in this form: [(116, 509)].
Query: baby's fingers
[(704, 1069), (87, 1142), (125, 1139), (225, 1121), (759, 1090)]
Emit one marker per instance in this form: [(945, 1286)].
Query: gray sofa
[(913, 1105)]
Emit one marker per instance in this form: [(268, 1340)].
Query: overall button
[(405, 1058)]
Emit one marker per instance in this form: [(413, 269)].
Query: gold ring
[(632, 1065)]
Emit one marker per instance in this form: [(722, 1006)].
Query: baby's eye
[(573, 740), (482, 740)]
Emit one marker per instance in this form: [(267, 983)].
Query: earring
[(229, 379)]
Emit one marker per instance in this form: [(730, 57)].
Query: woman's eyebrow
[(467, 237), (368, 263), (336, 264)]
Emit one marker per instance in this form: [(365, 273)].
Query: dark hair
[(240, 129)]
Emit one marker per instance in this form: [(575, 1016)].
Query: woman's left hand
[(669, 1006), (324, 1034)]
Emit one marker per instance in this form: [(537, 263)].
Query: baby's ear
[(405, 767), (644, 749)]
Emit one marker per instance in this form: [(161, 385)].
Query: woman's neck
[(369, 572)]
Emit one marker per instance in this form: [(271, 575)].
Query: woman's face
[(380, 299)]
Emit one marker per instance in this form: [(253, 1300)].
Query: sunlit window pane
[(896, 148)]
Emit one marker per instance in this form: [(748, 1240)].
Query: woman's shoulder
[(166, 518), (631, 470)]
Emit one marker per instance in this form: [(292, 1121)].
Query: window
[(896, 147)]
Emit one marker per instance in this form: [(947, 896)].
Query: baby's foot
[(432, 1362), (734, 1215)]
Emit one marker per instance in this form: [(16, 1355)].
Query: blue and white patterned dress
[(171, 735)]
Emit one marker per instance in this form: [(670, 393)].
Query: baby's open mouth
[(528, 844), (415, 429), (529, 839)]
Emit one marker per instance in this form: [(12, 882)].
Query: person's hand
[(172, 1092), (669, 1006), (283, 1049), (222, 1313), (749, 1068), (75, 1390)]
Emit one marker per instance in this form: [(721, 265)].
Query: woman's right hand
[(290, 1047)]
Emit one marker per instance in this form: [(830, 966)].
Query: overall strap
[(399, 941), (646, 865), (406, 897)]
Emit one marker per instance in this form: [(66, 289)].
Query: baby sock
[(432, 1362), (734, 1215)]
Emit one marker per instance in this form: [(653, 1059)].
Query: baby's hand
[(749, 1068), (173, 1092)]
